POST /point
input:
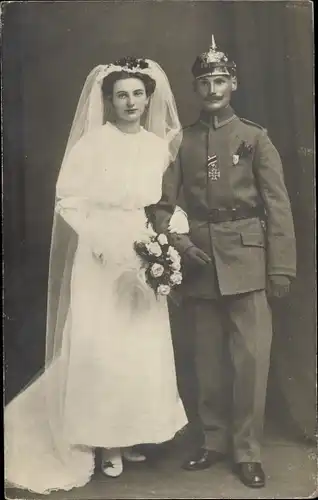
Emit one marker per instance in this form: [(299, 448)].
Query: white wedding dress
[(117, 357)]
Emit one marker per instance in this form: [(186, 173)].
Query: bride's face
[(129, 99)]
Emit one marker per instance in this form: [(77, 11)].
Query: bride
[(109, 380)]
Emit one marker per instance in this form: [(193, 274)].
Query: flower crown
[(128, 64), (131, 63)]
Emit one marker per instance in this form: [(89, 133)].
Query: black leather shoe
[(202, 459), (251, 474)]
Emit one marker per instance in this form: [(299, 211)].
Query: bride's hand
[(99, 255)]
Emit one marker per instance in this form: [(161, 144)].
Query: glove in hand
[(278, 286), (179, 222)]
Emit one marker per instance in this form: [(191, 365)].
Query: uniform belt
[(216, 215)]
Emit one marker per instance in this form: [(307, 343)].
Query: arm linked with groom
[(239, 251)]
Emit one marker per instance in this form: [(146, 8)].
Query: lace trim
[(66, 487)]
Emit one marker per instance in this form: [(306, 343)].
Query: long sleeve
[(72, 194), (281, 245), (163, 211), (75, 213)]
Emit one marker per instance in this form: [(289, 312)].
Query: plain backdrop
[(48, 50)]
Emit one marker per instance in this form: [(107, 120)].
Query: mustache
[(214, 99)]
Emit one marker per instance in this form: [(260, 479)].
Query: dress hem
[(124, 444)]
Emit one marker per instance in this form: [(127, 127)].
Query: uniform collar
[(218, 119)]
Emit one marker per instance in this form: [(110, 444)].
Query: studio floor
[(290, 466)]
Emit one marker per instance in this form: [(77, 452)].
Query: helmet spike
[(213, 62), (213, 44)]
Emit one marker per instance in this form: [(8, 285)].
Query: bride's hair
[(128, 68), (110, 80)]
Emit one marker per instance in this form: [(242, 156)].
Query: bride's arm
[(72, 201), (77, 216), (74, 212)]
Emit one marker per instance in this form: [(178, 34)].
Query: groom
[(240, 250)]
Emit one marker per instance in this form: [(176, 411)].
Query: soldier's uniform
[(232, 181)]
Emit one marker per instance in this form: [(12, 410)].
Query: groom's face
[(215, 91)]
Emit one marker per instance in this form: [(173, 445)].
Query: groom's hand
[(278, 286), (195, 256)]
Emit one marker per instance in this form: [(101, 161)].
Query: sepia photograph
[(159, 249)]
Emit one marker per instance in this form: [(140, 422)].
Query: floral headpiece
[(128, 64), (213, 62)]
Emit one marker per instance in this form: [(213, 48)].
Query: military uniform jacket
[(225, 162)]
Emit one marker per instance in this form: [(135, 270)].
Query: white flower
[(175, 266), (162, 239), (163, 289), (156, 270), (176, 278), (154, 249), (174, 255)]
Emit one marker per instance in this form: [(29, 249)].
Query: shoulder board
[(248, 122)]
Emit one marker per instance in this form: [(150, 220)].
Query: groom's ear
[(234, 83)]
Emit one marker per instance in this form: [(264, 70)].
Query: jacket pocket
[(253, 239)]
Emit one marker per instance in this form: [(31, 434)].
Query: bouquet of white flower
[(162, 263)]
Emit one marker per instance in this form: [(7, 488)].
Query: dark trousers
[(224, 359)]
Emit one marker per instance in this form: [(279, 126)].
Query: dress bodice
[(111, 169), (106, 182)]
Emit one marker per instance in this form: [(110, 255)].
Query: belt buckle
[(221, 214), (213, 214)]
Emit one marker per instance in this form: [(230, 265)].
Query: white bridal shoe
[(112, 464), (132, 455)]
